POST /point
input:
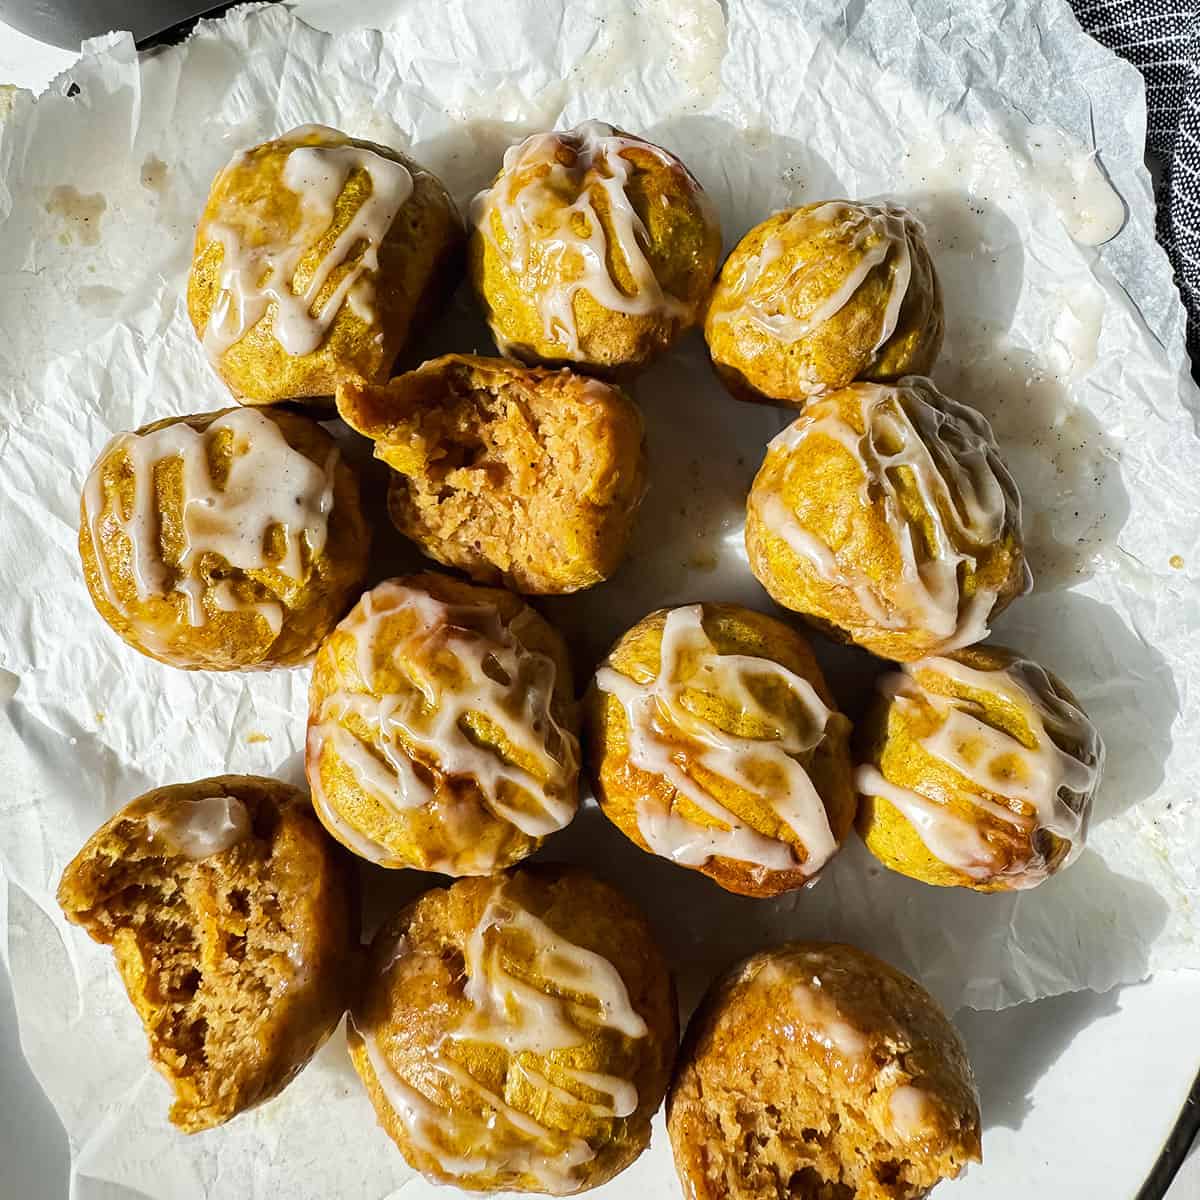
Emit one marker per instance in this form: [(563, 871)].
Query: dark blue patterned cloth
[(1162, 39)]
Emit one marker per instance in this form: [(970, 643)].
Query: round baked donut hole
[(886, 517), (233, 920), (714, 743), (442, 731), (517, 1033), (814, 298), (814, 1071), (316, 257), (592, 247), (976, 769), (223, 541), (514, 475)]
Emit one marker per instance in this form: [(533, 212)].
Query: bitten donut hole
[(529, 477), (815, 1144), (201, 955), (502, 464)]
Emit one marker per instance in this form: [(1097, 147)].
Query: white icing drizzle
[(199, 828), (949, 837), (513, 1014), (225, 599), (580, 992), (909, 1109), (948, 453), (258, 271), (824, 1024), (349, 835), (783, 309), (622, 1095), (268, 486), (776, 517), (667, 739), (421, 1118), (511, 687), (540, 220), (1030, 788)]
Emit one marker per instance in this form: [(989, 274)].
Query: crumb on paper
[(101, 717), (256, 736), (80, 211), (1176, 562)]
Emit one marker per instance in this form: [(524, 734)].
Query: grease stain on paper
[(80, 213), (154, 176)]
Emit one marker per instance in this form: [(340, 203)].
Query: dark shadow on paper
[(1011, 1050), (384, 892), (1057, 451), (672, 897), (391, 552), (33, 1143), (978, 255), (1122, 682)]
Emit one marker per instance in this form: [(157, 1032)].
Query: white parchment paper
[(982, 116)]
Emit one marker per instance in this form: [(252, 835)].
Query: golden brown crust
[(791, 1083), (159, 626), (819, 484), (414, 997), (620, 786), (888, 739), (459, 830), (809, 260), (516, 475), (682, 244), (239, 963), (420, 263)]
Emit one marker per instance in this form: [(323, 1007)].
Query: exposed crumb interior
[(803, 1134), (505, 478), (203, 947)]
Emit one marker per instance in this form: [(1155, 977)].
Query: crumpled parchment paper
[(981, 117)]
